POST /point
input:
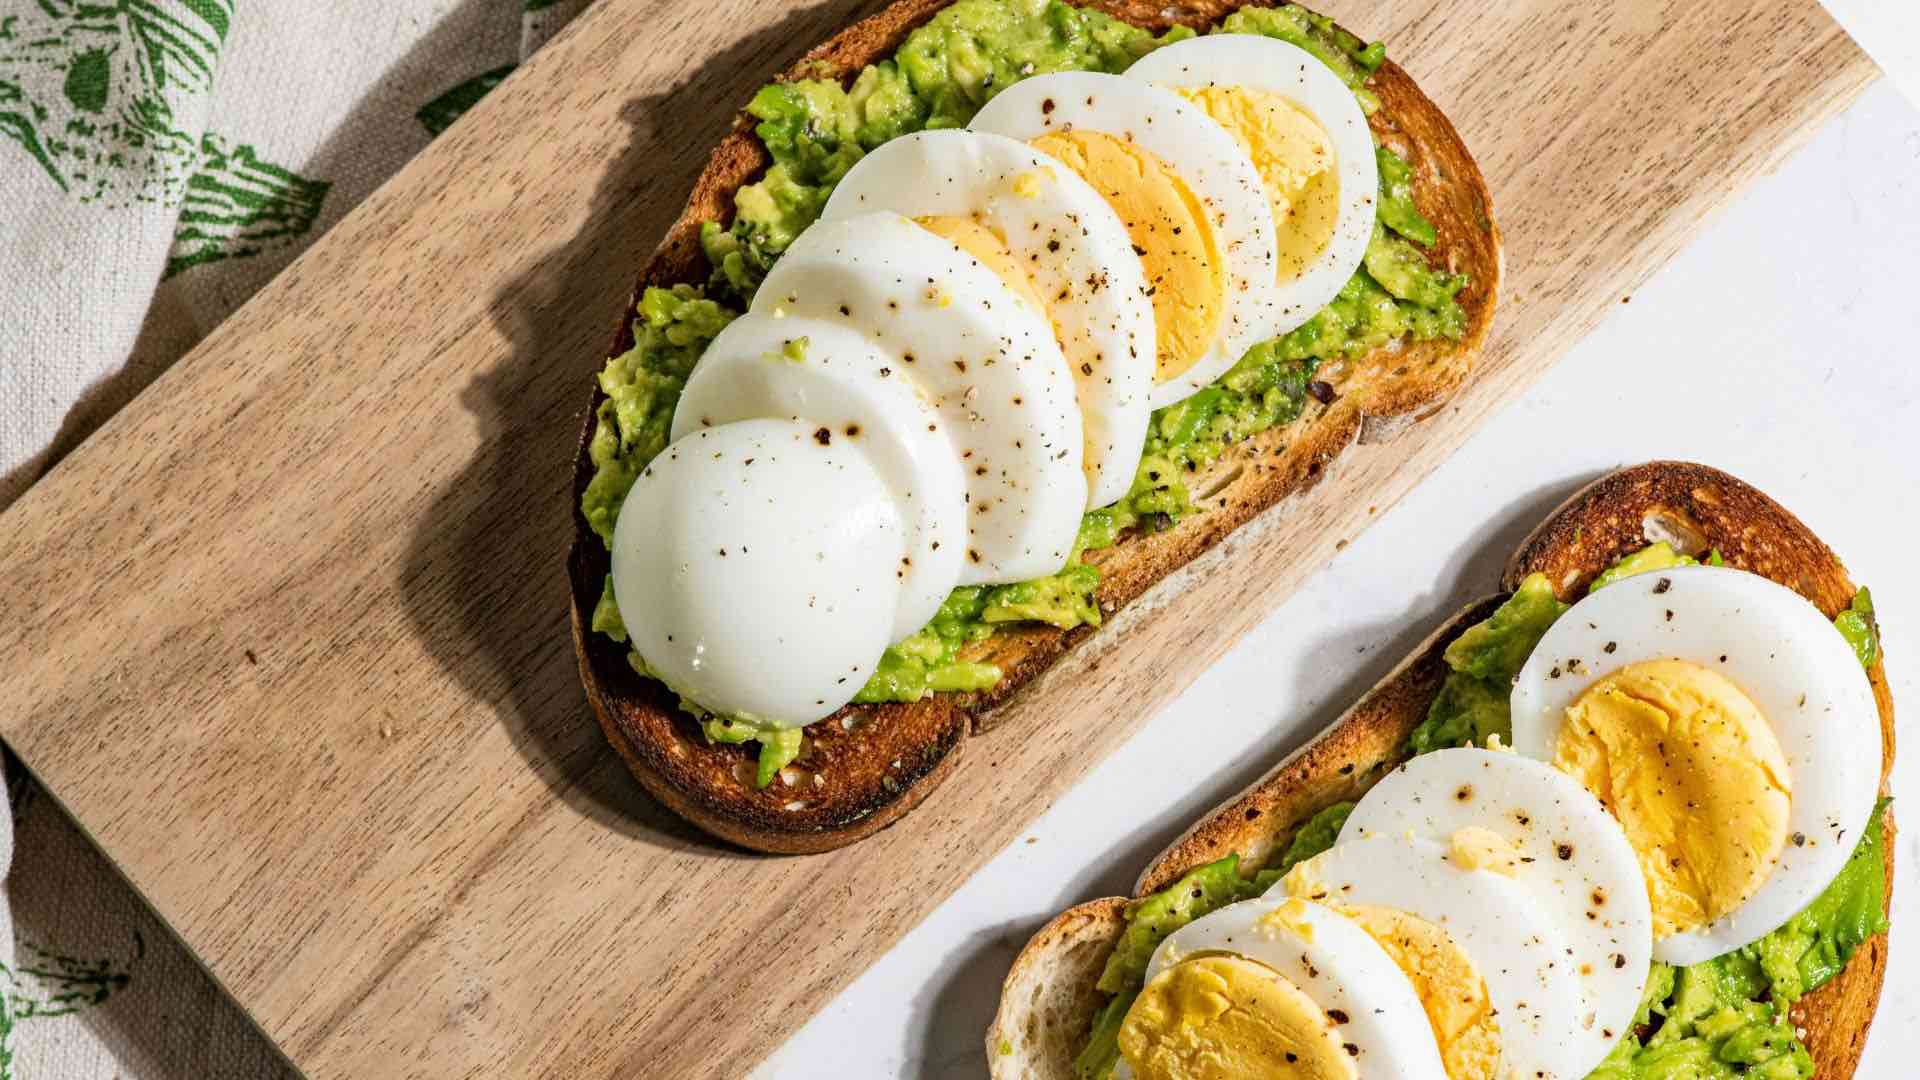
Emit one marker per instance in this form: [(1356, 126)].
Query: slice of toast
[(866, 765), (1048, 1000)]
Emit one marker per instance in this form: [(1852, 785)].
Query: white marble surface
[(1783, 345)]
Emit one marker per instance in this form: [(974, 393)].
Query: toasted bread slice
[(866, 765), (1047, 1003)]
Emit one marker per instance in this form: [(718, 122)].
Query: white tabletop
[(1783, 346)]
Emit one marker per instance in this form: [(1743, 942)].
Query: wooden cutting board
[(288, 636)]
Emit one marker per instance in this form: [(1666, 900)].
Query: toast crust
[(866, 765), (1697, 508)]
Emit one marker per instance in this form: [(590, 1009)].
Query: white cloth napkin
[(159, 161)]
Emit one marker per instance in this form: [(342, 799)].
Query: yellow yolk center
[(1475, 848), (1186, 275), (1450, 989), (986, 246), (1295, 160), (1227, 1018), (1691, 768)]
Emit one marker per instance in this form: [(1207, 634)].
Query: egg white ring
[(1572, 851), (848, 386), (1064, 236), (1337, 964), (1203, 154), (1777, 648), (1271, 65), (744, 585), (980, 353), (1497, 921)]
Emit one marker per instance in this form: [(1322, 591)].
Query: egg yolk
[(1228, 1018), (1295, 160), (1449, 987), (1171, 232), (1290, 917), (989, 248), (1695, 774), (1475, 848)]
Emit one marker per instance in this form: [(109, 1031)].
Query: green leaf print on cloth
[(46, 985), (91, 89), (439, 114), (238, 205)]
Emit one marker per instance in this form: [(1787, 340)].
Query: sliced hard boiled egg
[(1043, 226), (1224, 1017), (1528, 820), (826, 375), (1308, 139), (1517, 948), (1727, 725), (983, 355), (1191, 200), (744, 565), (1357, 989)]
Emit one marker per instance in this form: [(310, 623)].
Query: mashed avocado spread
[(816, 129), (1723, 1019)]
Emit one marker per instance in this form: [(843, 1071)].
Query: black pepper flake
[(823, 437), (1322, 392), (1662, 585), (1565, 851), (1338, 1016)]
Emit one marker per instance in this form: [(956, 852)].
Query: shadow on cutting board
[(490, 562)]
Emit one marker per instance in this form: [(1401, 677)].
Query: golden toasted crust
[(1049, 998), (867, 765), (1340, 765), (1693, 506)]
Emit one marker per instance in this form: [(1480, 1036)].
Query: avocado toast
[(863, 767), (1715, 1018)]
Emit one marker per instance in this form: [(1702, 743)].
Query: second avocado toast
[(1378, 356), (1786, 997)]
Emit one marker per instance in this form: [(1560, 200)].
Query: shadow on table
[(951, 1016), (486, 576)]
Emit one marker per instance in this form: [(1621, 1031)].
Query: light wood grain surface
[(288, 636)]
